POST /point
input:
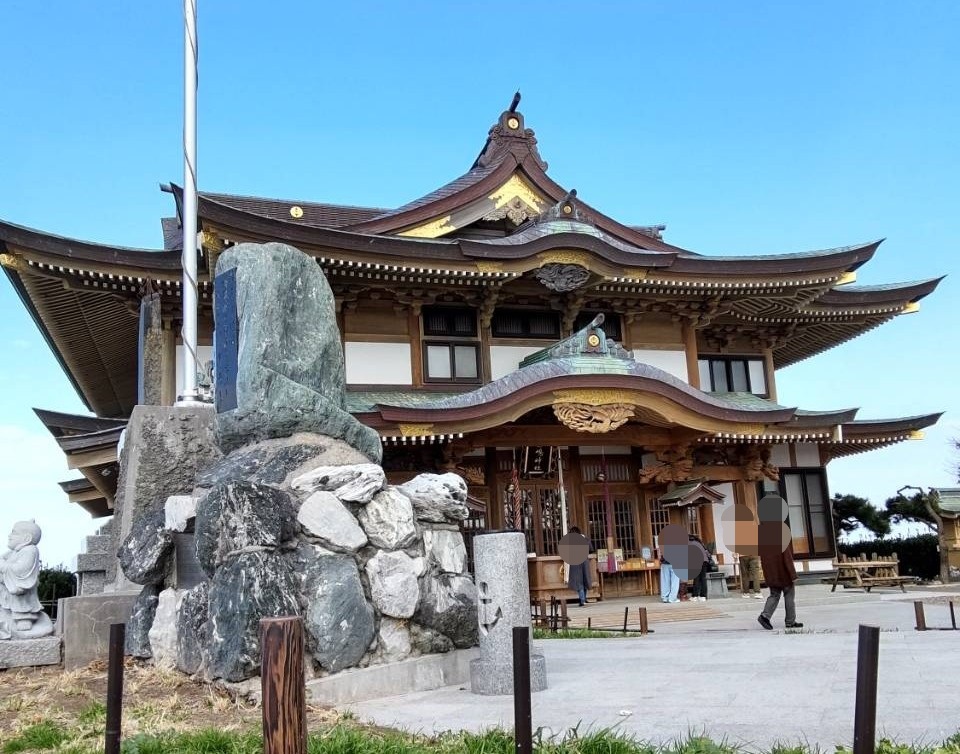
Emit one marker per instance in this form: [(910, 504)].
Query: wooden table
[(866, 574), (648, 577)]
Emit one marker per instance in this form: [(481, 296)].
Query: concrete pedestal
[(85, 625), (26, 653), (504, 593), (717, 586)]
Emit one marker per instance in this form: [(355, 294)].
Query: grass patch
[(581, 633), (39, 737)]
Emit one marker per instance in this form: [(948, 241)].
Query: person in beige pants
[(750, 576)]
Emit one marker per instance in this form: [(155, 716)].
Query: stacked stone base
[(303, 526), (23, 653)]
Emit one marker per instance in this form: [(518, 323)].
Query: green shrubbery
[(918, 555)]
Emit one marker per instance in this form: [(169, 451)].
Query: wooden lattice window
[(618, 468), (476, 523), (624, 527), (659, 517), (692, 515)]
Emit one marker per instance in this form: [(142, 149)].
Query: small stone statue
[(21, 615)]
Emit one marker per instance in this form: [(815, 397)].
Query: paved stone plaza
[(728, 677)]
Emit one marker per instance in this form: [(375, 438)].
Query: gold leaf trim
[(565, 257), (432, 229), (416, 430)]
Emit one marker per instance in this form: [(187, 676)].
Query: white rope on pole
[(188, 333), (563, 493)]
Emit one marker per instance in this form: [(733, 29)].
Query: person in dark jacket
[(699, 579), (776, 557), (579, 578)]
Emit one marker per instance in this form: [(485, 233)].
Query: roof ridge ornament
[(588, 341), (567, 208), (509, 136)]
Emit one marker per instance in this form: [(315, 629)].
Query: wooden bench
[(861, 573)]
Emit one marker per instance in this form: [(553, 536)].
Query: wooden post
[(522, 715), (865, 715), (644, 626), (921, 620), (111, 742), (282, 686)]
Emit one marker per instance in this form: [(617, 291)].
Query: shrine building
[(503, 328)]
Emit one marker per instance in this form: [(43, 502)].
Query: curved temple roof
[(84, 296)]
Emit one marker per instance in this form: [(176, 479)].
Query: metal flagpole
[(191, 362)]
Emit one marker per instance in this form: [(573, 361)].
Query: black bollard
[(111, 742), (522, 716), (865, 719)]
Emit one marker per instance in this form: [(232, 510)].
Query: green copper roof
[(949, 499)]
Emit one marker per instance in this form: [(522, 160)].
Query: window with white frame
[(733, 374), (451, 345)]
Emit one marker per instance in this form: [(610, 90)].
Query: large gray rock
[(145, 553), (163, 450), (178, 510), (192, 624), (247, 588), (137, 639), (394, 640), (352, 484), (393, 582), (388, 520), (448, 605), (290, 372), (338, 619), (323, 516), (238, 516), (267, 462), (445, 550), (438, 498)]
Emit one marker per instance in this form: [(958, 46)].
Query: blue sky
[(746, 127)]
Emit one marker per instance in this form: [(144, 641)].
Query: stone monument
[(23, 622), (500, 562), (292, 514)]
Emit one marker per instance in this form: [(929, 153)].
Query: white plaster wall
[(808, 454), (205, 353), (780, 456), (672, 362), (728, 501), (378, 363), (506, 359)]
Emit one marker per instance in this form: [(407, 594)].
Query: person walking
[(776, 557), (579, 578)]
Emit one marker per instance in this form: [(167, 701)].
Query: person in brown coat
[(776, 557)]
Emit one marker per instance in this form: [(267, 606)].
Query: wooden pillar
[(690, 348), (573, 478), (416, 345), (494, 508), (708, 532), (769, 373), (746, 493), (282, 686)]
